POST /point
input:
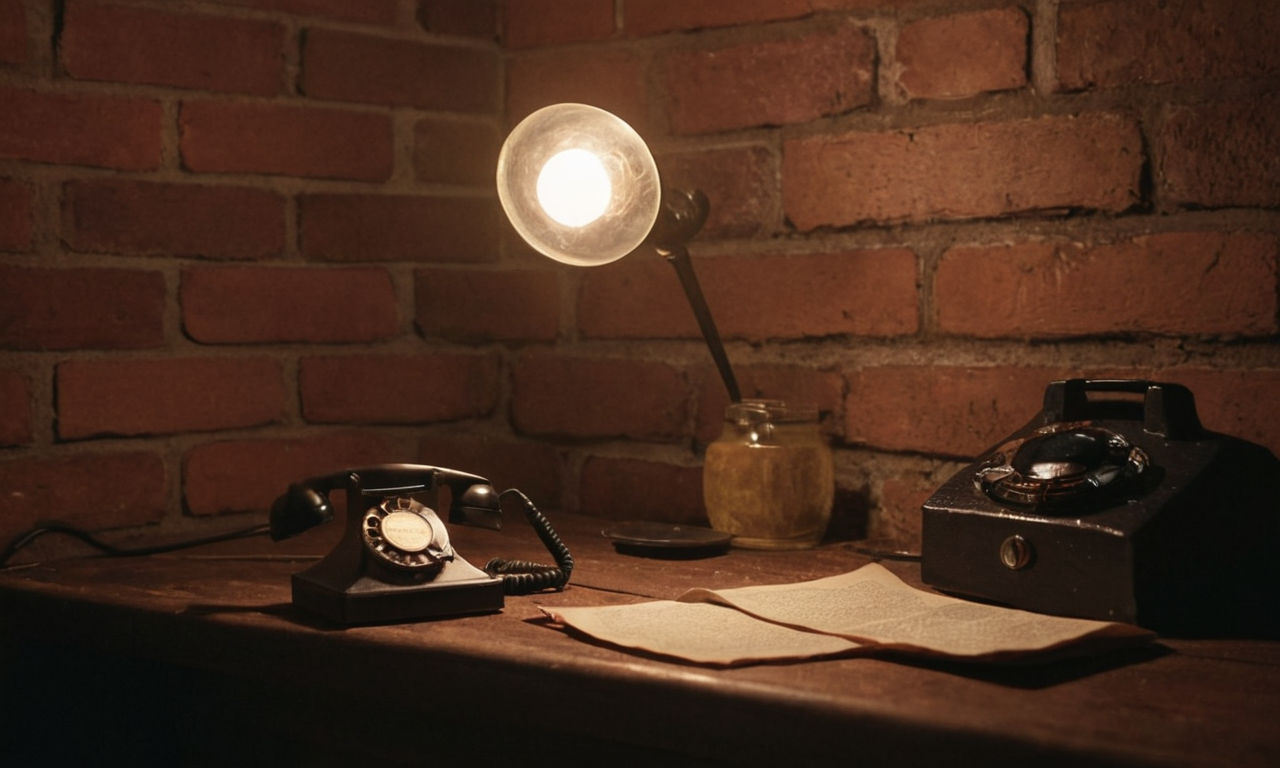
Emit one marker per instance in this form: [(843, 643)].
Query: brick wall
[(246, 240), (214, 220)]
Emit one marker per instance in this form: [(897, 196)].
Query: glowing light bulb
[(574, 188), (578, 184)]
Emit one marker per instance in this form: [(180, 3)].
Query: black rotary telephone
[(395, 561), (1115, 503)]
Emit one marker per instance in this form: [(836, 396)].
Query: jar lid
[(759, 411)]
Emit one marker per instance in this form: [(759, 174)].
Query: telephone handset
[(395, 561)]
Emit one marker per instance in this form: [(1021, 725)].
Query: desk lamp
[(581, 187)]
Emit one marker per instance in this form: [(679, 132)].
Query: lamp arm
[(680, 216), (678, 256)]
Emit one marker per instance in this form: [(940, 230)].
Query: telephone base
[(459, 589), (1183, 545)]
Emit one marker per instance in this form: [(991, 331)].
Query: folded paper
[(862, 611)]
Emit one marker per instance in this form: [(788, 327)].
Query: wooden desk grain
[(221, 667)]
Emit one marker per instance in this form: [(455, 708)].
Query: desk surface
[(1181, 702)]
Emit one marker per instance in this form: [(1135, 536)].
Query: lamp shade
[(578, 184)]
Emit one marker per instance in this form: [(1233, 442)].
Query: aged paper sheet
[(872, 606), (700, 632), (861, 611)]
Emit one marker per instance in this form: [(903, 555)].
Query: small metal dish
[(666, 540)]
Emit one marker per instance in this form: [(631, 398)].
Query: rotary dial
[(1064, 466), (406, 534)]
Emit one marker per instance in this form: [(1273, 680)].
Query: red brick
[(529, 23), (956, 171), (793, 383), (247, 475), (384, 12), (648, 17), (632, 489), (941, 410), (230, 137), (351, 67), (585, 397), (516, 252), (864, 5), (1123, 42), (871, 293), (641, 297), (949, 57), (896, 522), (771, 82), (1237, 402), (1229, 401), (1241, 403), (139, 45), (150, 397), (467, 18), (613, 79), (15, 216), (92, 490), (342, 227), (256, 304), (398, 389), (534, 468), (15, 415), (1221, 154), (119, 216), (80, 308), (960, 411), (475, 305), (453, 151), (1175, 283), (13, 32), (80, 129), (740, 182)]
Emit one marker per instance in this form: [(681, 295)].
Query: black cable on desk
[(110, 550)]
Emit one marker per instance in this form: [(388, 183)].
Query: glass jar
[(768, 479)]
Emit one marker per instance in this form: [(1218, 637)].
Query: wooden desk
[(201, 659)]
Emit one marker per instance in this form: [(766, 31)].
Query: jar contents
[(768, 479)]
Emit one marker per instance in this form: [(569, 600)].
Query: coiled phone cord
[(522, 577)]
